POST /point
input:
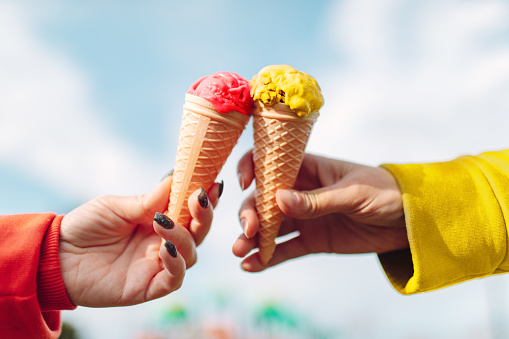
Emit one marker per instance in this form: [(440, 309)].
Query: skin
[(110, 248), (335, 207)]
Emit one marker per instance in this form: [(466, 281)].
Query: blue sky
[(91, 96)]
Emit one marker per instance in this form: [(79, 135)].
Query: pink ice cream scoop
[(226, 91)]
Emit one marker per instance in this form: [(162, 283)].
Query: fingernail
[(245, 225), (289, 198), (221, 187), (164, 220), (170, 247), (170, 172), (241, 180), (203, 198)]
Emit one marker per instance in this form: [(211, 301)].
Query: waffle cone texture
[(206, 139), (280, 139)]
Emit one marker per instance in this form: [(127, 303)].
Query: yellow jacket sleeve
[(456, 214)]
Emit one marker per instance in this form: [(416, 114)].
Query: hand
[(110, 248), (336, 207)]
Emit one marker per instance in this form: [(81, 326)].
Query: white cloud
[(49, 127), (360, 29), (418, 83)]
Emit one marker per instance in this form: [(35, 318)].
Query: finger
[(202, 219), (285, 251), (248, 217), (215, 192), (315, 203), (201, 213), (243, 246), (140, 209), (289, 225), (245, 170), (157, 199), (250, 223), (170, 279), (253, 264), (178, 235)]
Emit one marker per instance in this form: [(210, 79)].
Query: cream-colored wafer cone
[(280, 138), (206, 139)]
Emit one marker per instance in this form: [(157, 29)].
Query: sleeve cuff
[(51, 291), (455, 223)]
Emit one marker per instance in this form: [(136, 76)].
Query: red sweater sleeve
[(31, 287)]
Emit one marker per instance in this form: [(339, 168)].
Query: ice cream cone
[(206, 139), (280, 138)]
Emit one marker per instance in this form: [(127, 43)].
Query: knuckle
[(142, 202), (101, 202), (354, 197), (312, 205), (103, 199), (177, 283)]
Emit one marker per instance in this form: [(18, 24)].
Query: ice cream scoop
[(226, 91), (284, 84), (216, 111)]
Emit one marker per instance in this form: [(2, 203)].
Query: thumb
[(312, 204), (157, 199), (141, 208)]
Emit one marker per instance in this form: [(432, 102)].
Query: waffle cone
[(280, 138), (206, 139)]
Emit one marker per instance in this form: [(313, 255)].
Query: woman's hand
[(336, 207), (111, 252)]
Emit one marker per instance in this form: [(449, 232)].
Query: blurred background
[(91, 95)]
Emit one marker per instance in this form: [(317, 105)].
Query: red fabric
[(31, 287)]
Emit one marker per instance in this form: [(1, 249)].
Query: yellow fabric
[(456, 214)]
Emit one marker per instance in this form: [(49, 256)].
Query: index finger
[(248, 217), (245, 170), (202, 215)]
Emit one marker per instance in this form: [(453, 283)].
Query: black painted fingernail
[(203, 198), (221, 187), (170, 172), (171, 248), (164, 220)]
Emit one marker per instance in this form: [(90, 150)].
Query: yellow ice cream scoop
[(283, 83)]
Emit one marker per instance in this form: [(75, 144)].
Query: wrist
[(394, 199)]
